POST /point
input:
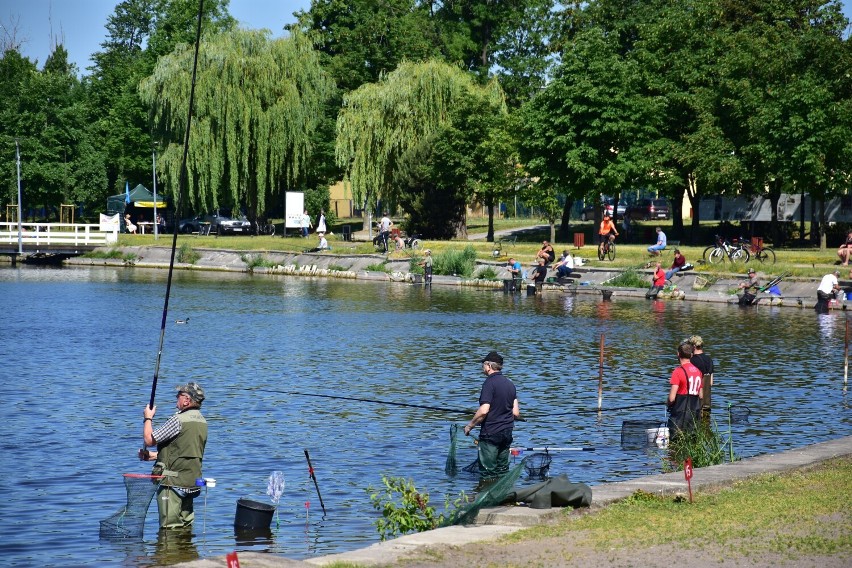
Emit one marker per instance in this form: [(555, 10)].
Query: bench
[(498, 245)]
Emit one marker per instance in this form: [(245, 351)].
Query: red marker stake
[(687, 473)]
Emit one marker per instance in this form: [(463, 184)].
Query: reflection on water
[(84, 341)]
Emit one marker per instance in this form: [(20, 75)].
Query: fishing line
[(593, 410), (181, 185)]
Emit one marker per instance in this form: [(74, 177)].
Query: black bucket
[(253, 515)]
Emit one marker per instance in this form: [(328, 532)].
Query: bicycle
[(261, 229), (761, 253), (607, 249), (723, 249)]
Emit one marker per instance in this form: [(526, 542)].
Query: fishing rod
[(181, 186), (375, 401), (593, 410), (337, 397), (550, 449)]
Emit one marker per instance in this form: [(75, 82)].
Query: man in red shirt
[(685, 394)]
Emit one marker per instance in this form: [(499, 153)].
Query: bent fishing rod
[(181, 186)]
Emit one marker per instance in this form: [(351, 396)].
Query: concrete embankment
[(691, 285)]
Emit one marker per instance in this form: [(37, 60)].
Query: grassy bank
[(797, 518), (804, 262)]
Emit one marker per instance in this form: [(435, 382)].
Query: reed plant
[(454, 262)]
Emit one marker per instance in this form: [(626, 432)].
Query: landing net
[(494, 495), (129, 521)]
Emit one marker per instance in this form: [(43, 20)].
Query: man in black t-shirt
[(498, 409), (705, 364)]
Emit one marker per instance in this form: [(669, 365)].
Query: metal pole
[(20, 212), (600, 375), (156, 220)]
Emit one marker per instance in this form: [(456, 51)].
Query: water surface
[(81, 343)]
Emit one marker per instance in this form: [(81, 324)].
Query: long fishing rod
[(550, 449), (374, 401), (181, 185), (594, 410), (450, 410)]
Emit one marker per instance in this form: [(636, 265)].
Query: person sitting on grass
[(657, 249), (322, 245)]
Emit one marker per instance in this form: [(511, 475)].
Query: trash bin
[(253, 515), (347, 233), (579, 240)]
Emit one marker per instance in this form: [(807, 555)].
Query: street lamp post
[(20, 227), (156, 219)]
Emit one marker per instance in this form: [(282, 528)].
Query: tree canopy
[(257, 106)]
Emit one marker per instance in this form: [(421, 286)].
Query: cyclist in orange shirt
[(607, 228)]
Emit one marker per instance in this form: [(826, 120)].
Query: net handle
[(143, 476)]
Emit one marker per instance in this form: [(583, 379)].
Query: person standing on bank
[(685, 394), (705, 364), (180, 445), (498, 410), (321, 222)]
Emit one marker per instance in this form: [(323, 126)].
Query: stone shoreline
[(798, 292)]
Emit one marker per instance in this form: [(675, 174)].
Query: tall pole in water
[(20, 228), (156, 219)]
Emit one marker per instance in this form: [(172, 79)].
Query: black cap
[(493, 357)]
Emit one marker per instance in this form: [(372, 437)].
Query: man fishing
[(180, 445), (498, 410)]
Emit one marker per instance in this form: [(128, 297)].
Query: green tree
[(137, 33), (45, 112), (380, 123), (591, 131), (256, 108)]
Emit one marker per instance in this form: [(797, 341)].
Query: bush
[(487, 273), (380, 267), (255, 261), (411, 514), (186, 254), (455, 263), (703, 444), (629, 279)]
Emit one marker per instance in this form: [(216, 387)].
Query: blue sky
[(80, 23)]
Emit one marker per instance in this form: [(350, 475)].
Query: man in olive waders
[(498, 409), (180, 445)]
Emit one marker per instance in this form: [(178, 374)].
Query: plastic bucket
[(253, 515)]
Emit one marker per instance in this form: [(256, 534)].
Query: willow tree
[(380, 123), (257, 104)]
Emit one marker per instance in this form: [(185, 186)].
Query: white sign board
[(294, 204)]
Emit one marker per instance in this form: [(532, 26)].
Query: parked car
[(588, 211), (649, 209), (222, 225), (193, 225)]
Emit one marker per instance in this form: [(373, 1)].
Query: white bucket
[(658, 436)]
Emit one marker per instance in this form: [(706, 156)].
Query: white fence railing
[(45, 234)]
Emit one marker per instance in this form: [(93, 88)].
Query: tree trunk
[(566, 212), (490, 206)]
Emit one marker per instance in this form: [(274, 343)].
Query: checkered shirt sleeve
[(169, 430)]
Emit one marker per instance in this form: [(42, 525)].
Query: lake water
[(80, 346)]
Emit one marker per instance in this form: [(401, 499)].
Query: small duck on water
[(182, 321)]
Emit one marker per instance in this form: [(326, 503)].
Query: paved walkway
[(496, 522)]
